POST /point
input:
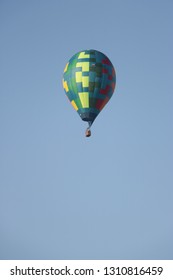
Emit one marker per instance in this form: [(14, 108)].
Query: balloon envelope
[(89, 81)]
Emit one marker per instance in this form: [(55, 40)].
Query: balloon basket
[(88, 133)]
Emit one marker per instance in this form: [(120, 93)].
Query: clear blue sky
[(64, 196)]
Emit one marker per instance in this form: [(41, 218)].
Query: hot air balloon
[(89, 81)]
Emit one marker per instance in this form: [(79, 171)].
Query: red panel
[(101, 103), (106, 61), (105, 90), (113, 86), (113, 72), (104, 70)]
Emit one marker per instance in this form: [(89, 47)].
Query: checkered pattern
[(89, 82)]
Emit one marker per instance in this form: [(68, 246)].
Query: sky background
[(65, 196)]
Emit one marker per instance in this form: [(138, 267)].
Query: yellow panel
[(66, 67), (84, 65), (85, 81), (79, 64), (65, 86), (78, 77), (83, 55), (74, 105), (84, 98)]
